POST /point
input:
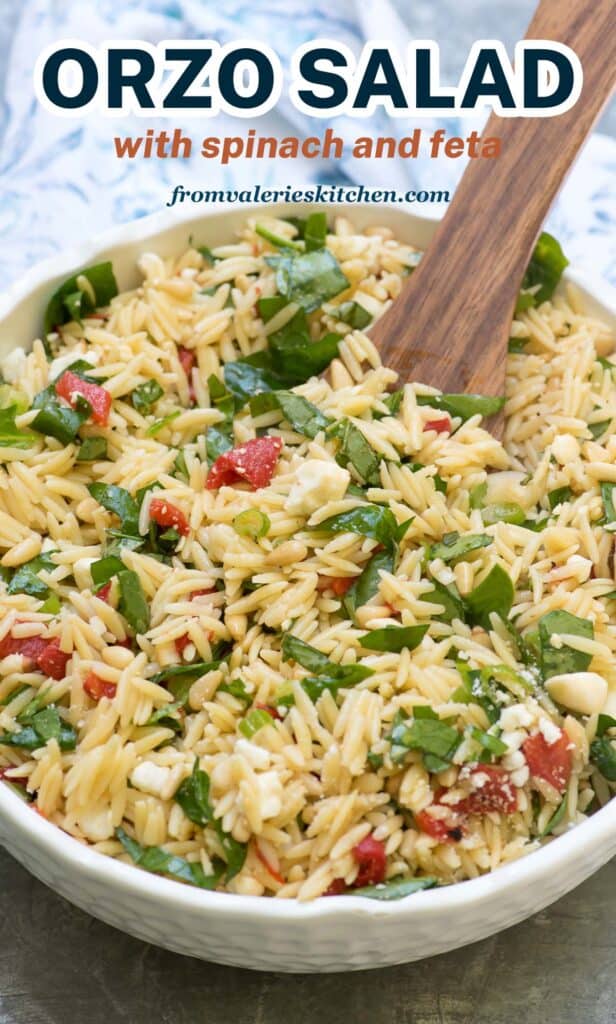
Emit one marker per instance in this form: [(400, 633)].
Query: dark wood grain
[(450, 326)]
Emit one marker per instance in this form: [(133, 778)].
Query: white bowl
[(336, 933)]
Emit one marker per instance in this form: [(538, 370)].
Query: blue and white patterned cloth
[(60, 180)]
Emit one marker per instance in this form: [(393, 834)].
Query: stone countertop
[(59, 966)]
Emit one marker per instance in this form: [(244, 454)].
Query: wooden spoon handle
[(449, 326)]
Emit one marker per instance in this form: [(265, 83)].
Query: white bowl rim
[(531, 869)]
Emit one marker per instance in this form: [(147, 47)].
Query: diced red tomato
[(202, 593), (341, 584), (187, 359), (444, 830), (165, 514), (549, 761), (336, 888), (52, 661), (253, 462), (266, 864), (181, 643), (372, 860), (96, 687), (45, 654), (70, 385), (492, 790), (126, 642), (30, 647), (441, 426), (104, 592)]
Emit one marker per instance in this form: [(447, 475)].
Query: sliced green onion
[(254, 721), (158, 425), (252, 523)]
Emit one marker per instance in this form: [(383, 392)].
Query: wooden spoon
[(450, 325)]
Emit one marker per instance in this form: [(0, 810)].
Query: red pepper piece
[(104, 592), (336, 888), (30, 647), (549, 761), (253, 462), (441, 426), (445, 830), (341, 584), (95, 687), (493, 790), (52, 661), (70, 385), (165, 514), (372, 860), (181, 643)]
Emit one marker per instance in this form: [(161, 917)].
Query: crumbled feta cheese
[(150, 778), (317, 482), (514, 739), (549, 730), (256, 756), (565, 449), (14, 365), (515, 717), (520, 776), (270, 791)]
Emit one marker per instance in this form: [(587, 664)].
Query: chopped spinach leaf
[(145, 397), (395, 888), (56, 419), (353, 314), (494, 594), (453, 547), (219, 436), (309, 278), (304, 417), (545, 268), (449, 597), (92, 448), (39, 728), (463, 406), (156, 860), (71, 302), (603, 755), (193, 796), (315, 231), (26, 579), (607, 495), (375, 521), (394, 638), (558, 496), (355, 449), (10, 435), (132, 604), (120, 502), (367, 584), (558, 659), (236, 688)]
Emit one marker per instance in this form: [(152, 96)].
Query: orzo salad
[(277, 623)]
